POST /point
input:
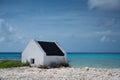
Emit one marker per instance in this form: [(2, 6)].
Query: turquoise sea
[(96, 60)]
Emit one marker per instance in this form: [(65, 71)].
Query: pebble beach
[(33, 73)]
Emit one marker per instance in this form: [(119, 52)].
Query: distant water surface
[(96, 60), (10, 56)]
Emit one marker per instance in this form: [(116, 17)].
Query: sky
[(77, 25)]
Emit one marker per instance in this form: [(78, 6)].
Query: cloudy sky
[(77, 25)]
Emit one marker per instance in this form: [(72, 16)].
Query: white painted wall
[(53, 59), (33, 50)]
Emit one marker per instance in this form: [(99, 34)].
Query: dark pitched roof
[(51, 48)]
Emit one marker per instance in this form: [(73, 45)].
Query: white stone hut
[(39, 53)]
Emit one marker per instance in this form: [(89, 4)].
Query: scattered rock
[(31, 73)]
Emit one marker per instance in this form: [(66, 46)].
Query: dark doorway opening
[(32, 60)]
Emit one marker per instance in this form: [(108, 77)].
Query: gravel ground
[(32, 73)]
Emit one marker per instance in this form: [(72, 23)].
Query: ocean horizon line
[(95, 52), (77, 52)]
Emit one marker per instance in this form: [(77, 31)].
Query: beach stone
[(31, 73)]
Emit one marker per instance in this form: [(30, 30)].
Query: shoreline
[(33, 73)]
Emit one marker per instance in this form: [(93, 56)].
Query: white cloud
[(104, 39), (107, 39), (7, 33), (110, 22), (107, 32), (4, 31), (2, 39), (107, 36), (104, 4)]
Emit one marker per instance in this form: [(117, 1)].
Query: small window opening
[(32, 60)]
